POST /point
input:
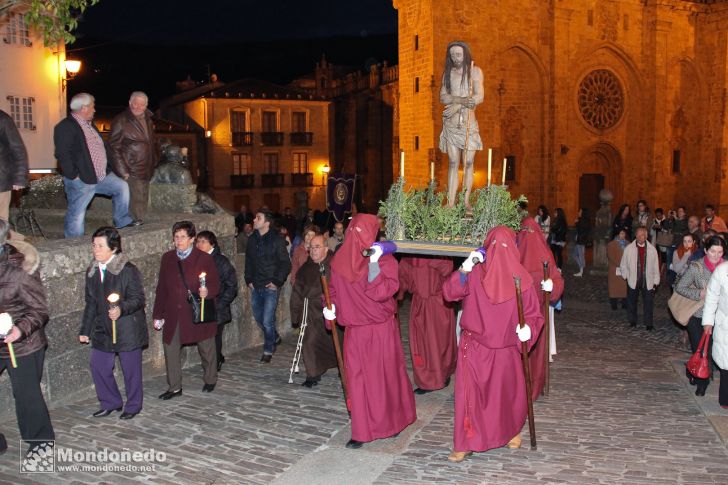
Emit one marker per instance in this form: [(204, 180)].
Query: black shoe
[(278, 340), (354, 445), (691, 378), (166, 396), (126, 415), (208, 388), (3, 444), (136, 222), (309, 383), (700, 391), (633, 324), (266, 358), (650, 328), (420, 391), (220, 362), (102, 413)]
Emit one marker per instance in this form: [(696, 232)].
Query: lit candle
[(203, 284), (401, 164), (505, 164), (490, 162), (113, 300), (432, 171), (6, 325)]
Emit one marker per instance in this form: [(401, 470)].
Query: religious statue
[(461, 92), (174, 166)]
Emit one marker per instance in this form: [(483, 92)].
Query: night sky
[(127, 45)]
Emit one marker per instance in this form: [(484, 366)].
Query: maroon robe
[(490, 390), (534, 251), (170, 301), (379, 391), (432, 320)]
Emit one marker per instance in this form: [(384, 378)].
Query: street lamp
[(72, 67), (324, 173)]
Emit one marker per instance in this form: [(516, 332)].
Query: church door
[(589, 186)]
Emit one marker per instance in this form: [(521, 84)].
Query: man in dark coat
[(84, 159), (207, 242), (23, 301), (133, 148), (173, 313), (112, 273), (13, 163), (267, 265), (318, 349)]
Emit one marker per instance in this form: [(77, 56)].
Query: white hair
[(139, 94), (80, 100)]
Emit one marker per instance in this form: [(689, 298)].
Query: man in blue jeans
[(267, 265), (85, 164)]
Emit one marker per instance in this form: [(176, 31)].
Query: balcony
[(271, 180), (302, 138), (242, 181), (301, 179), (272, 138), (242, 138)]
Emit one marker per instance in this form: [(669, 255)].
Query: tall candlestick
[(490, 162), (505, 164), (401, 164), (432, 171), (203, 284), (113, 300)]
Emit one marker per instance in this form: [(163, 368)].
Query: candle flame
[(6, 323), (113, 298), (202, 275)]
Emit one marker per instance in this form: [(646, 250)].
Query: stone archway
[(599, 168)]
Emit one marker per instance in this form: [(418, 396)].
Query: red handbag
[(698, 363)]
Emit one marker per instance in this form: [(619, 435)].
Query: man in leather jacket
[(13, 163), (133, 151)]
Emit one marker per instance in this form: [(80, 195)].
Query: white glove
[(376, 254), (469, 262), (547, 285), (158, 324), (330, 314), (524, 334)]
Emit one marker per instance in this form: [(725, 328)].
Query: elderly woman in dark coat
[(207, 242), (110, 273), (173, 313)]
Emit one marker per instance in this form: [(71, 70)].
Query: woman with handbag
[(692, 285), (110, 273), (583, 225), (715, 324), (186, 274), (616, 285)]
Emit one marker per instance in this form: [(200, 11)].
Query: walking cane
[(299, 345), (334, 333), (547, 331), (526, 369)]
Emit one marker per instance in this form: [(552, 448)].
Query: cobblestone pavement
[(619, 411)]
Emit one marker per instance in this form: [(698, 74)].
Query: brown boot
[(515, 442), (458, 456)]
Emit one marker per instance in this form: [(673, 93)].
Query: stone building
[(365, 140), (628, 95), (265, 144)]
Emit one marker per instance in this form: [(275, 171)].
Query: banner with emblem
[(340, 194)]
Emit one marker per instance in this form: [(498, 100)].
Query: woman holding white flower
[(114, 324)]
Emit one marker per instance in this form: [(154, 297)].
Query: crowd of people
[(505, 292)]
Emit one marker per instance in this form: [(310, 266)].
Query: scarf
[(622, 242), (182, 255), (682, 249), (711, 267)]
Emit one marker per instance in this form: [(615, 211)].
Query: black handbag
[(195, 302)]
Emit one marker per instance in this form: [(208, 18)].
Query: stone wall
[(64, 263)]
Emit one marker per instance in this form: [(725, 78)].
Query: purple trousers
[(102, 371)]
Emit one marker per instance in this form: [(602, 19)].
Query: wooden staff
[(547, 331), (334, 332), (524, 361)]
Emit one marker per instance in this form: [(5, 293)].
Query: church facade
[(580, 95)]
